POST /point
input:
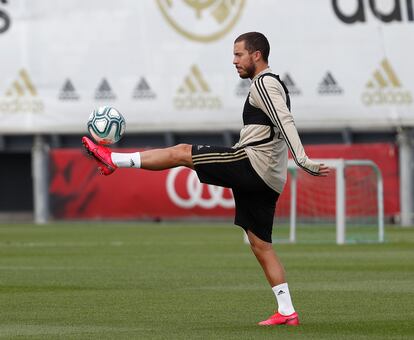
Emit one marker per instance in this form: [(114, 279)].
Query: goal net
[(346, 206)]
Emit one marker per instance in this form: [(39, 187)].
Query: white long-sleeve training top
[(267, 139)]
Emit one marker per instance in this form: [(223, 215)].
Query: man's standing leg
[(275, 275)]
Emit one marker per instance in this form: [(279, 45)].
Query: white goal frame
[(340, 191)]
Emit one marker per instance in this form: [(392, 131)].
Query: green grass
[(185, 281), (326, 233)]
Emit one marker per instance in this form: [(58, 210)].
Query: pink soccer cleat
[(102, 156), (279, 319)]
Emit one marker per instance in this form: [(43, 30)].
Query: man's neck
[(260, 69)]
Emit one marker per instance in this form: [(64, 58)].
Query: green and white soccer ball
[(106, 125)]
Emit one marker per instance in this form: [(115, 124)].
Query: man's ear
[(257, 55)]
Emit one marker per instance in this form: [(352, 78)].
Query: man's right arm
[(267, 95)]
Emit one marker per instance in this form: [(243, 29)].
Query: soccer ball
[(106, 125)]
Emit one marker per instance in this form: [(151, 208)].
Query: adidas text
[(5, 21), (21, 105), (197, 101), (359, 15), (386, 97)]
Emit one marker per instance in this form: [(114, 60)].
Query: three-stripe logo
[(104, 91), (21, 96), (329, 85), (384, 87), (68, 92), (195, 92), (194, 82), (143, 90), (22, 86), (290, 84)]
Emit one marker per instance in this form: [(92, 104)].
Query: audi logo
[(195, 192)]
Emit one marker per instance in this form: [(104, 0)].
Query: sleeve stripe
[(264, 95), (267, 101), (272, 111)]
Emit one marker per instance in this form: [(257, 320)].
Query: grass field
[(185, 281)]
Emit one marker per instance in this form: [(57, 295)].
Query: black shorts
[(255, 200)]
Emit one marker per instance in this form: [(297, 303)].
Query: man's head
[(251, 52)]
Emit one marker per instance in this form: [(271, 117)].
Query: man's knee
[(258, 245), (183, 154), (261, 248)]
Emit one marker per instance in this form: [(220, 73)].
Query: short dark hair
[(255, 41)]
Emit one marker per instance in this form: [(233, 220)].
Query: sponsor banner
[(77, 191), (167, 64)]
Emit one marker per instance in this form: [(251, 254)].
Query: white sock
[(283, 299), (126, 160)]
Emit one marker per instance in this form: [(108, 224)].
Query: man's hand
[(323, 170)]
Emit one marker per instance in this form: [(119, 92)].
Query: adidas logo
[(290, 84), (280, 292), (385, 88), (329, 85), (21, 86), (143, 91), (104, 91), (243, 88), (194, 82), (194, 93), (21, 96), (68, 91)]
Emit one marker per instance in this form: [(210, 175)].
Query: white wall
[(160, 46)]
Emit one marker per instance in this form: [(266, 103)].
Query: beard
[(249, 72)]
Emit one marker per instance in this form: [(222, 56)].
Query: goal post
[(340, 207)]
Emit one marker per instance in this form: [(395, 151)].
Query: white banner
[(167, 64)]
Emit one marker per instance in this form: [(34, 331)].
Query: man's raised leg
[(160, 159), (156, 159)]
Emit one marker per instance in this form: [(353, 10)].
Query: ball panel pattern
[(106, 125)]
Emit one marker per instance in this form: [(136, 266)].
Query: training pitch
[(195, 281)]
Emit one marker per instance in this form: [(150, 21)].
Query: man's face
[(243, 61)]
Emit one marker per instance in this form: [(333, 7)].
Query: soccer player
[(255, 168)]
